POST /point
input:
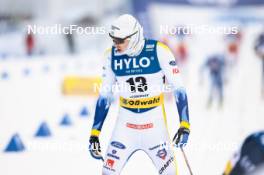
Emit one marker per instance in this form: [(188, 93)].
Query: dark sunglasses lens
[(118, 41)]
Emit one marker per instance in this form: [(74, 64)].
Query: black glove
[(181, 137), (94, 147)]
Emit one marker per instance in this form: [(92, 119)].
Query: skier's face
[(121, 46)]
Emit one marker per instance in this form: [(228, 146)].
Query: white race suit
[(141, 122)]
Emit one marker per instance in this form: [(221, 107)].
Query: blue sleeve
[(102, 107), (182, 104), (104, 100)]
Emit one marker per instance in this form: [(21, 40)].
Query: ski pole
[(186, 161)]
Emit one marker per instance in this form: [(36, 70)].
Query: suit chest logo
[(131, 63)]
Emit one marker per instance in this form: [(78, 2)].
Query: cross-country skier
[(139, 65), (250, 158), (216, 65)]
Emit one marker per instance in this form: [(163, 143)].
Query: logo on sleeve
[(173, 63), (175, 70)]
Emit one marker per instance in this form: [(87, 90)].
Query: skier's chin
[(120, 50)]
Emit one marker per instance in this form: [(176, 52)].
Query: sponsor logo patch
[(162, 154), (118, 145), (109, 165), (128, 63), (141, 102), (158, 146), (172, 63), (150, 46), (113, 154), (165, 166), (140, 127), (175, 70)]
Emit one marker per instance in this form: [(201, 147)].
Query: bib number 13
[(138, 84)]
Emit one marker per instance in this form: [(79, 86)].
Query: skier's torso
[(141, 124), (139, 78), (216, 68)]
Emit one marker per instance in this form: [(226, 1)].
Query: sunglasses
[(117, 40)]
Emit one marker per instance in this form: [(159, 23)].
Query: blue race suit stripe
[(102, 107), (182, 104)]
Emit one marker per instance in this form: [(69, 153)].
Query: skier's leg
[(221, 93), (163, 157), (118, 152), (121, 146), (211, 92), (158, 147)]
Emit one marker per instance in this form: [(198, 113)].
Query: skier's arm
[(105, 95), (172, 74)]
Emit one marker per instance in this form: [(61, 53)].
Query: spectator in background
[(29, 43), (259, 49), (233, 42), (70, 42)]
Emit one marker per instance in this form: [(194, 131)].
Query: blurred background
[(47, 98)]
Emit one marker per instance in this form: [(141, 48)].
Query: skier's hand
[(181, 137), (94, 147)]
